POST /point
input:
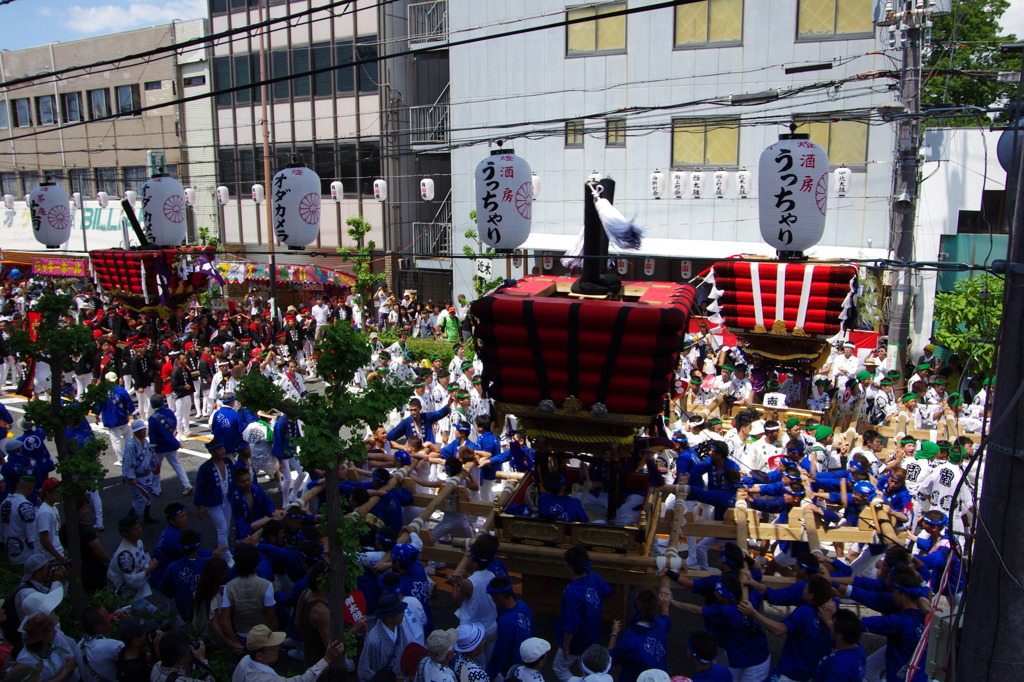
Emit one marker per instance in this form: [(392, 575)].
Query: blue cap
[(864, 488)]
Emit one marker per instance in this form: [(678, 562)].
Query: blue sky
[(27, 23)]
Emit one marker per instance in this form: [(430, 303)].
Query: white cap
[(139, 425), (532, 649), (757, 428)]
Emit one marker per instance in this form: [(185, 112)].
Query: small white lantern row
[(76, 198), (131, 197), (163, 211), (103, 199), (380, 190), (657, 184), (337, 190), (792, 192), (258, 194), (843, 177), (190, 196), (8, 201), (517, 258), (720, 181), (51, 215), (697, 184), (25, 198), (295, 192), (622, 266), (743, 180), (504, 199), (223, 195), (649, 266), (534, 186), (548, 262), (427, 189), (678, 184)]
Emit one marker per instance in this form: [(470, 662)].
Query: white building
[(701, 86)]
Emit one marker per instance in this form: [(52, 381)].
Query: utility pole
[(908, 24), (991, 647)]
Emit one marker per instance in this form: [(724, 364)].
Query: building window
[(845, 141), (574, 133), (300, 64), (106, 181), (9, 183), (602, 35), (154, 85), (218, 6), (709, 22), (99, 104), (615, 132), (700, 143), (194, 81), (71, 107), (134, 177), (826, 18), (82, 182), (46, 110), (21, 112), (29, 181), (323, 82), (5, 121), (366, 48), (241, 72), (128, 101), (222, 80)]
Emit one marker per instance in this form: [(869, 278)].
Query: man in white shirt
[(264, 647), (19, 521), (844, 366), (48, 522), (96, 653), (130, 566)]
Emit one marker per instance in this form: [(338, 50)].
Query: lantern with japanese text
[(720, 180), (163, 211), (548, 262), (190, 196), (131, 196), (76, 199), (223, 195), (843, 177), (51, 215), (103, 199), (534, 186), (622, 266), (504, 199), (678, 184), (427, 189), (696, 184), (380, 189), (743, 180), (295, 192), (649, 266), (258, 194), (337, 190), (792, 189), (657, 184)]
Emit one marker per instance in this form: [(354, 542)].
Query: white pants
[(197, 397), (291, 490), (82, 383), (753, 673), (119, 435), (97, 507), (221, 517), (864, 565), (702, 552), (182, 409), (453, 525), (875, 668), (172, 459), (142, 397), (12, 368), (562, 666)]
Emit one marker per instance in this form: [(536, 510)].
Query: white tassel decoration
[(623, 233), (571, 259)]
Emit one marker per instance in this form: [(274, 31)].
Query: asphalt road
[(117, 503)]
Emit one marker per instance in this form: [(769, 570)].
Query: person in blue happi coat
[(579, 622), (644, 643), (515, 626), (848, 662)]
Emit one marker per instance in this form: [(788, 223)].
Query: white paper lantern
[(792, 191), (337, 190), (720, 181), (534, 186), (190, 196), (517, 259), (131, 197), (296, 196), (25, 198), (504, 199), (223, 195), (548, 262), (163, 211), (76, 199), (696, 184), (622, 266), (8, 201), (657, 184), (678, 184), (648, 266), (258, 195), (380, 189), (427, 189), (51, 215), (103, 199), (743, 180), (843, 177)]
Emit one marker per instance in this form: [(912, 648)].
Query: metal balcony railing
[(428, 21), (429, 124), (432, 240)]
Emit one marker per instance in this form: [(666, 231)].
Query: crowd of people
[(260, 586)]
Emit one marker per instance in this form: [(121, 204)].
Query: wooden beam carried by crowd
[(396, 479), (440, 497), (499, 503)]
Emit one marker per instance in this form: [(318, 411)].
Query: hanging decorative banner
[(504, 200), (792, 189), (163, 211), (60, 267), (485, 268), (296, 196), (51, 215), (648, 266)]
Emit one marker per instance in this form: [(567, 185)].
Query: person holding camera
[(181, 660), (136, 658)]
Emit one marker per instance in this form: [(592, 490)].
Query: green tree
[(962, 65), (334, 424), (481, 285), (361, 257), (968, 314), (59, 340)]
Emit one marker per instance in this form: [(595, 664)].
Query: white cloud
[(1012, 20), (128, 15)]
